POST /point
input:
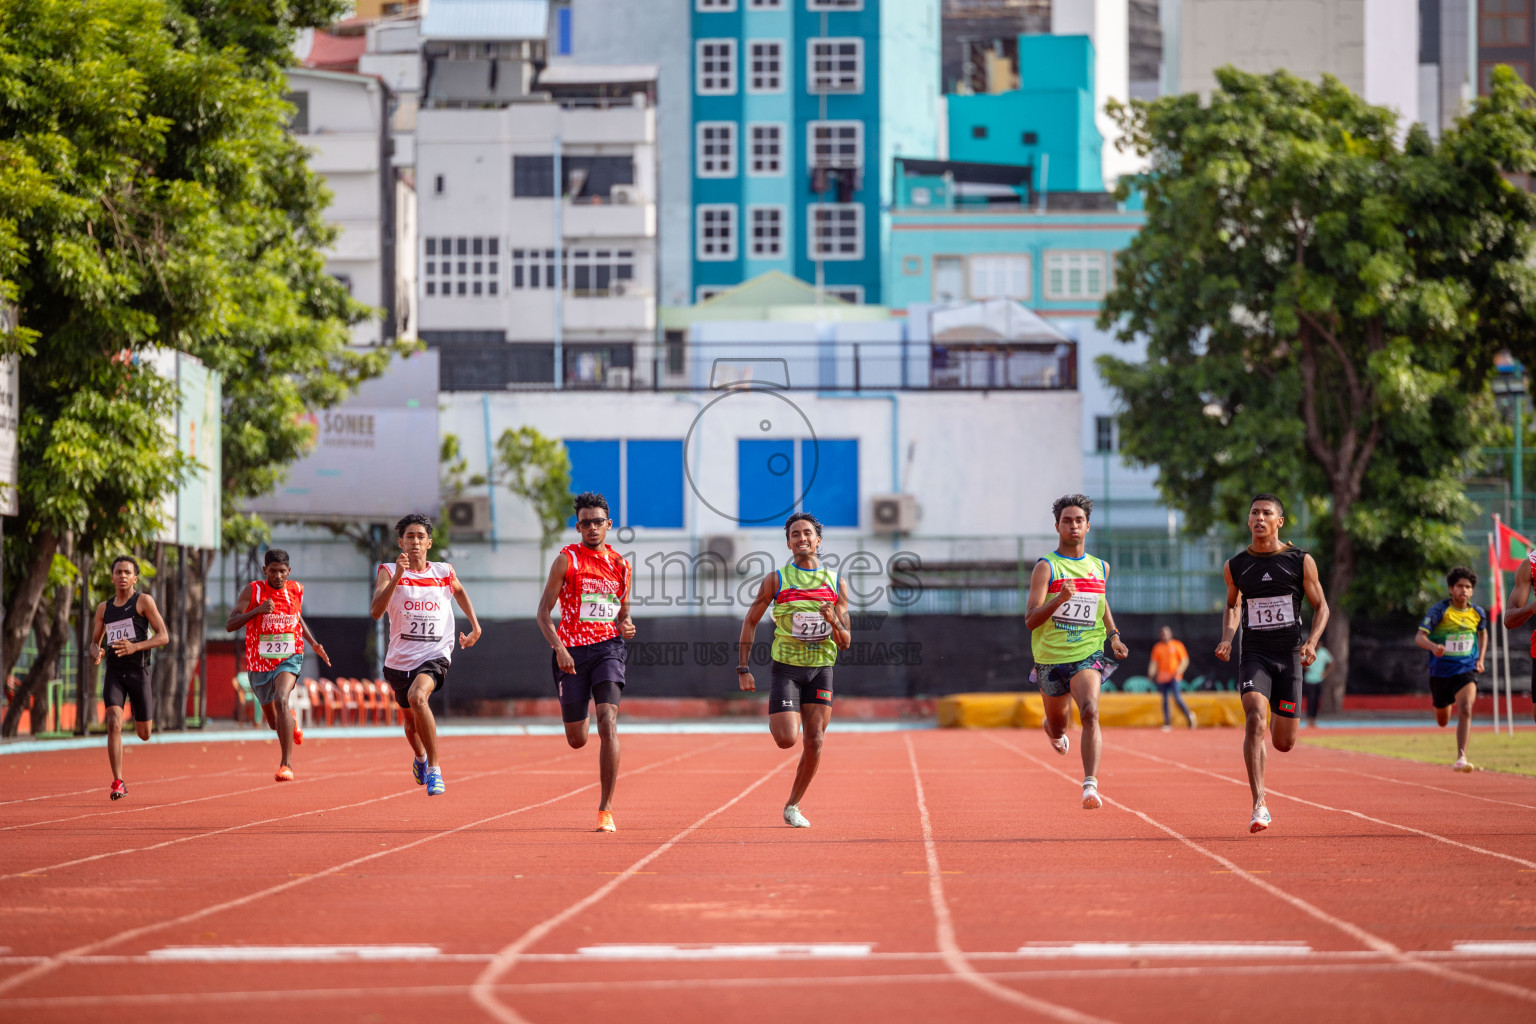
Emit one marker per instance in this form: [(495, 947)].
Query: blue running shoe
[(419, 771), (435, 785)]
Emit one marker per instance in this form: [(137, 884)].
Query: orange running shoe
[(298, 735), (283, 774), (605, 822)]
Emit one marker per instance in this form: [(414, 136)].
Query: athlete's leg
[(1058, 715), (608, 753), (115, 741), (1282, 732), (421, 727), (1255, 707), (1464, 699), (283, 714), (1443, 718), (269, 715), (576, 732), (785, 727), (1085, 690), (1178, 697), (816, 718)]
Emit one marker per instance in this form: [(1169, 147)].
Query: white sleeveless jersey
[(420, 617)]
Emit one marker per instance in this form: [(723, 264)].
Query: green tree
[(1321, 304), (538, 470)]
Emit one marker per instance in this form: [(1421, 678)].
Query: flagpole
[(1496, 585)]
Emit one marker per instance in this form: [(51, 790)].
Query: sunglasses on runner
[(589, 523)]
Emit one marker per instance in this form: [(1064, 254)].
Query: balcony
[(602, 218), (634, 311)]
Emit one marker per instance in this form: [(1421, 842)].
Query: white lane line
[(737, 951), (58, 959), (1405, 782), (1166, 950), (484, 993), (1496, 948), (1354, 931), (1341, 810), (944, 926), (30, 872), (281, 954)]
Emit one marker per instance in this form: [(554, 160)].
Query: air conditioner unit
[(893, 513), (624, 194), (721, 550), (469, 516), (617, 377), (619, 289)]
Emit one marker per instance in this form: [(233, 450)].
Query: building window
[(439, 185), (821, 474), (835, 65), (714, 5), (766, 5), (1103, 433), (834, 5), (852, 294), (1001, 277), (1030, 138), (1522, 70), (765, 72), (716, 232), (461, 266), (835, 144), (649, 489), (589, 273), (715, 70), (715, 148), (299, 122), (836, 231), (912, 266), (767, 231), (1504, 23), (1075, 275), (979, 131), (533, 177), (767, 157)]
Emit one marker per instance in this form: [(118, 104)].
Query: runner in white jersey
[(415, 593)]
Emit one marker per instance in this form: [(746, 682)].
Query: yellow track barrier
[(1116, 710)]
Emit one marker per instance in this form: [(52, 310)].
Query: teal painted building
[(799, 110), (1047, 124)]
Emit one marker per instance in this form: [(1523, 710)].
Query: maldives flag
[(1510, 548), (1496, 578)]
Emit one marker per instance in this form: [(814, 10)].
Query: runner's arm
[(765, 596), (1229, 616), (238, 618), (98, 627), (1520, 607), (1319, 601), (1421, 639), (842, 631), (316, 644), (162, 635), (547, 601), (466, 640), (1112, 635), (384, 583), (625, 623), (1482, 645), (1038, 608)]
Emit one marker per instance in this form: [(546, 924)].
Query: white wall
[(1392, 57), (1107, 23)]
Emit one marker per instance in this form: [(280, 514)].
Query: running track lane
[(1019, 863)]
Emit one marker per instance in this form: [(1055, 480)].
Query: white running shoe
[(792, 816), (1091, 799), (1462, 764), (1061, 744), (1167, 728), (1260, 821)]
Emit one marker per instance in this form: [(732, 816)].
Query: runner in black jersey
[(1265, 585), (124, 621)]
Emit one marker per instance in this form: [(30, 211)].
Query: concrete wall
[(1107, 23)]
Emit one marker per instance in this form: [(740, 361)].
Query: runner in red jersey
[(591, 582), (271, 611)]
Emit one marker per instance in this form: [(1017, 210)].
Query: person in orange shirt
[(1169, 660)]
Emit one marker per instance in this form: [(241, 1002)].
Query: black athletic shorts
[(400, 680), (793, 685), (131, 683), (1276, 676), (599, 678), (1443, 689)]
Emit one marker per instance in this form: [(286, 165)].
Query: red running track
[(947, 876)]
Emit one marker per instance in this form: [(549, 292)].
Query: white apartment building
[(343, 119), (498, 136), (393, 56)]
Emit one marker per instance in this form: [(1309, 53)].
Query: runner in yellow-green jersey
[(810, 625), (1069, 621)]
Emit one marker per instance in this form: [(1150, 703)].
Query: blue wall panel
[(765, 480), (655, 484), (595, 467), (833, 494)]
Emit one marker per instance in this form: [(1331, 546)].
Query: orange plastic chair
[(330, 698), (367, 703), (352, 707), (389, 711), (316, 709)]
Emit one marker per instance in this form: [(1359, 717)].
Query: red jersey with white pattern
[(596, 583), (1532, 559), (273, 638), (420, 617)]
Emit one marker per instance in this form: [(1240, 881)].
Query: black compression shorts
[(1276, 676), (400, 679), (793, 685), (128, 683), (1443, 689), (599, 678)]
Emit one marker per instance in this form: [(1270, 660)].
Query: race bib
[(118, 631), (1271, 612), (424, 627), (597, 607), (1080, 611), (1461, 643), (276, 645), (809, 626)]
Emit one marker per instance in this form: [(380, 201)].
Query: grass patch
[(1504, 753)]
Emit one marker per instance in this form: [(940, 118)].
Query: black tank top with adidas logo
[(1271, 588)]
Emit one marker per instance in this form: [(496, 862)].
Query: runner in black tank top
[(1265, 585), (122, 634)]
